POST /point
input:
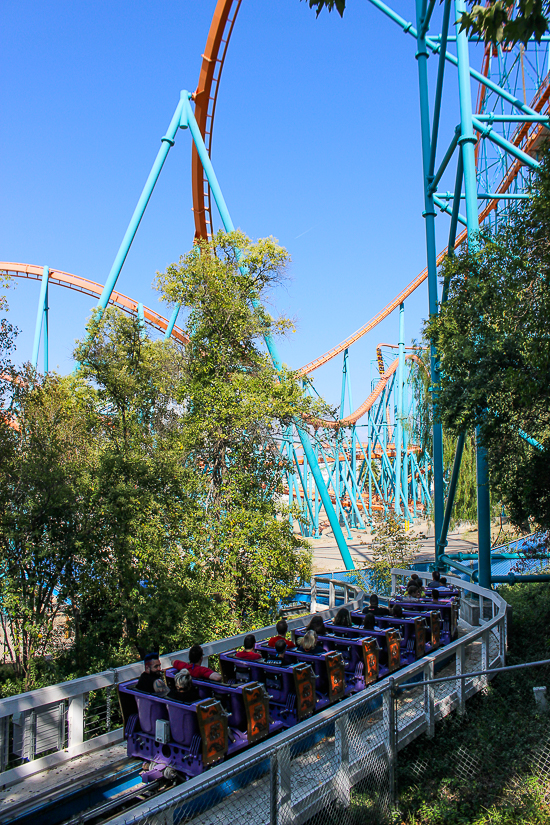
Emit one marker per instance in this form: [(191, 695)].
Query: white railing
[(306, 769), (299, 772), (55, 720)]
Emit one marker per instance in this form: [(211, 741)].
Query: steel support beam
[(41, 316), (399, 428), (166, 144), (467, 143), (270, 343), (431, 254)]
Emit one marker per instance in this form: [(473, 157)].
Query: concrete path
[(326, 556)]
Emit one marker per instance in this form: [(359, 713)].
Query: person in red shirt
[(248, 653), (194, 666), (282, 630)]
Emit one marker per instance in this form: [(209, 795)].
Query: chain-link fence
[(308, 776)]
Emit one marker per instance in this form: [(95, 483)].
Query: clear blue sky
[(316, 141)]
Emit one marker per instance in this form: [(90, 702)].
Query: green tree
[(493, 337), (44, 458), (132, 595), (392, 546), (236, 406)]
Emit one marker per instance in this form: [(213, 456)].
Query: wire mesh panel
[(241, 795), (335, 770), (410, 707), (101, 713)]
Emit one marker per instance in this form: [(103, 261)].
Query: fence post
[(485, 654), (313, 596), (393, 582), (429, 698), (4, 742), (281, 798), (390, 726), (341, 745), (76, 720), (502, 637), (331, 594), (273, 788), (461, 683)]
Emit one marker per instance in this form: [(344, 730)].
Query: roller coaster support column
[(166, 144), (467, 143), (172, 322), (188, 119), (41, 318), (429, 215), (399, 428)]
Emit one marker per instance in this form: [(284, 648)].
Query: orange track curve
[(367, 403), (56, 276), (205, 103), (205, 97)]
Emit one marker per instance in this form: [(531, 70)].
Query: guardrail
[(52, 725), (312, 767)]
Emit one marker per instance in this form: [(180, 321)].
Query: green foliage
[(493, 337), (507, 21), (339, 5), (237, 406), (465, 503), (42, 466), (392, 546), (5, 283)]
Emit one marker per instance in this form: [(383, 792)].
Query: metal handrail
[(75, 690), (282, 742)]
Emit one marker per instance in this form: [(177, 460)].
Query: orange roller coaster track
[(87, 287), (205, 98)]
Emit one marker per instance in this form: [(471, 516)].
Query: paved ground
[(326, 556)]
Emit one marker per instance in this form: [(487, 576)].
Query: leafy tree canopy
[(493, 337), (141, 499), (498, 21)]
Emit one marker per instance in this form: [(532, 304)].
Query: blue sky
[(316, 141)]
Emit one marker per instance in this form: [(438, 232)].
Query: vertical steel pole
[(215, 188), (467, 143), (442, 540), (369, 454), (42, 301), (46, 330), (399, 428), (429, 215)]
